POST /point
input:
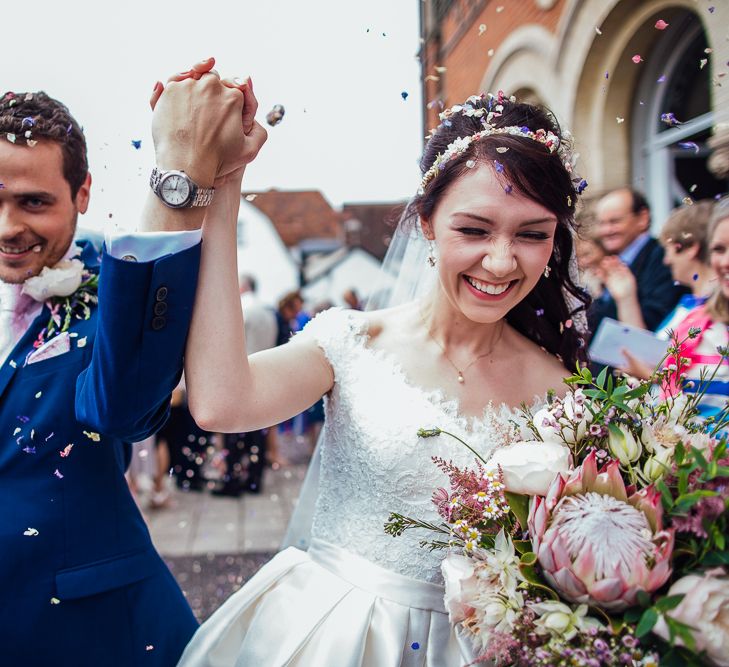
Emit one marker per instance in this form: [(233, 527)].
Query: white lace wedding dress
[(358, 597)]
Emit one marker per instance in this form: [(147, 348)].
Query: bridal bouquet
[(602, 541)]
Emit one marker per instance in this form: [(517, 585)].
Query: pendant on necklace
[(460, 377)]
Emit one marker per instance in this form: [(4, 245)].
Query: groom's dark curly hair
[(29, 117)]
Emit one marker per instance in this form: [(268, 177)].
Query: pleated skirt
[(328, 607)]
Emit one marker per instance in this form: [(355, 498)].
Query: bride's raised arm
[(227, 390)]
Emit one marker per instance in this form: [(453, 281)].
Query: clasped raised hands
[(205, 125)]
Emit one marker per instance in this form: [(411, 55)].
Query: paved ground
[(213, 545)]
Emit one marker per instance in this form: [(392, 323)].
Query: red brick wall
[(464, 53)]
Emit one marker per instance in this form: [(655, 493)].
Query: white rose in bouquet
[(530, 467), (461, 586), (61, 280), (705, 608)]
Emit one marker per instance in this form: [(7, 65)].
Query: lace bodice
[(372, 460)]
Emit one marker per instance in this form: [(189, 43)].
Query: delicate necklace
[(460, 372)]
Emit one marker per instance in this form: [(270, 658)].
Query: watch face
[(175, 190)]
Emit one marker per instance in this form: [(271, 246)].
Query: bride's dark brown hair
[(528, 167)]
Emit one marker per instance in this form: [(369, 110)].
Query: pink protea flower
[(598, 542)]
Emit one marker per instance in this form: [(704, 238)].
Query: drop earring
[(547, 271), (431, 253)]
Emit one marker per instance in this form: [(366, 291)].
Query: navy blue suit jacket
[(657, 293), (80, 582)]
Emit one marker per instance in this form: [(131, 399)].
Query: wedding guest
[(707, 368), (684, 238), (635, 258), (590, 254), (351, 299), (501, 323), (91, 348)]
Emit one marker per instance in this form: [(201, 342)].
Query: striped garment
[(704, 359)]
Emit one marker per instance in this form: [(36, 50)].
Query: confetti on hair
[(10, 137), (661, 24), (481, 29), (508, 188), (137, 143), (581, 186), (27, 122), (637, 58), (689, 145), (471, 164), (688, 201), (69, 128), (499, 167), (404, 94), (501, 149)]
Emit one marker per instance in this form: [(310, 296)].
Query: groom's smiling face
[(37, 211)]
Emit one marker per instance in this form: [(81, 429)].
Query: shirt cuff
[(150, 246)]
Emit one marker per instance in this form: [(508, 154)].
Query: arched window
[(670, 159)]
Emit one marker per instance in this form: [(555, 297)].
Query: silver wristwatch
[(177, 190)]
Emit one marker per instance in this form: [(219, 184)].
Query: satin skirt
[(329, 607)]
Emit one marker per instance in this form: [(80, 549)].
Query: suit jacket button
[(158, 323), (161, 293), (160, 308)]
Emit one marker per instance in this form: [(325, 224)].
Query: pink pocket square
[(56, 346)]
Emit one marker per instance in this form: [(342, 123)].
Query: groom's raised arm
[(147, 281)]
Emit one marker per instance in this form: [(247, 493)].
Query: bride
[(499, 327)]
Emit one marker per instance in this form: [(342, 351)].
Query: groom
[(90, 350)]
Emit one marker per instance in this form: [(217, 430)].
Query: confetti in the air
[(92, 436), (55, 601), (58, 473), (39, 394), (404, 94), (67, 450), (670, 119), (661, 78), (688, 201), (702, 63), (137, 143), (471, 164), (500, 9), (275, 116), (689, 145), (661, 24), (415, 646), (619, 119), (31, 532), (598, 31), (251, 197)]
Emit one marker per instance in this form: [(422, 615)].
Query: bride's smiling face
[(491, 246)]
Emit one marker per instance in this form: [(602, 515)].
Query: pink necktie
[(14, 308)]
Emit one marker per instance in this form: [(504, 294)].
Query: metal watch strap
[(201, 196)]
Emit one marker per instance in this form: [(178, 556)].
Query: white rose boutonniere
[(61, 280)]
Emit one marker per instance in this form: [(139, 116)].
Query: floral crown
[(487, 115)]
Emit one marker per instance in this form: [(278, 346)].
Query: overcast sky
[(338, 66)]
